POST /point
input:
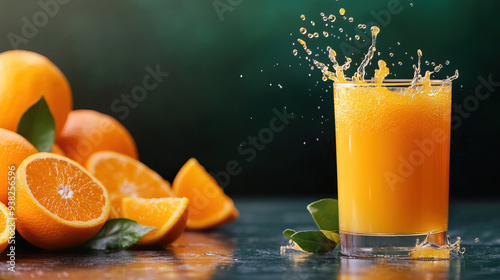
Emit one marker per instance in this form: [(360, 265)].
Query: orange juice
[(393, 145)]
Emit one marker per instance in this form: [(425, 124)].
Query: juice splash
[(337, 74), (429, 250)]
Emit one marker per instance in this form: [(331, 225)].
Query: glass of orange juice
[(393, 149)]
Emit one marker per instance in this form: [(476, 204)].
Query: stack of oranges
[(63, 198)]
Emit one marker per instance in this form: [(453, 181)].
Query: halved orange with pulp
[(124, 176), (58, 203), (209, 206), (168, 215), (5, 228)]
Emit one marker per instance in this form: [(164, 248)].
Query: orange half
[(124, 176), (209, 206), (168, 215), (58, 203), (4, 227)]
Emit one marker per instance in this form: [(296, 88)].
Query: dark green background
[(204, 109)]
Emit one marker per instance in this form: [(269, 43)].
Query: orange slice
[(124, 176), (209, 206), (58, 203), (4, 227), (168, 215)]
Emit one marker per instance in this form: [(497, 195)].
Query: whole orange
[(13, 150), (88, 131), (24, 77)]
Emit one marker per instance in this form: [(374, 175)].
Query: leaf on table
[(117, 234), (38, 127), (325, 213), (311, 241)]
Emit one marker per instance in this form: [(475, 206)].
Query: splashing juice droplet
[(391, 54), (381, 72), (360, 74), (351, 19), (347, 64), (447, 62), (356, 37), (360, 26), (313, 23), (322, 14), (411, 5), (316, 35), (325, 33), (416, 75), (325, 19), (332, 18), (295, 52), (303, 30), (310, 35), (308, 51), (302, 17), (400, 63), (428, 250), (476, 240), (341, 29), (342, 11), (450, 79)]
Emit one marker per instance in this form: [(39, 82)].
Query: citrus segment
[(5, 229), (168, 215), (24, 77), (88, 131), (124, 176), (13, 150), (58, 203), (209, 206)]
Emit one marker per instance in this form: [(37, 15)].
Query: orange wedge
[(58, 203), (168, 215), (4, 227), (124, 176), (209, 206)]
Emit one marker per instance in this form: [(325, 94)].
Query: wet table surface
[(250, 249)]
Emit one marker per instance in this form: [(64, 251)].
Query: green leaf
[(325, 213), (288, 233), (117, 234), (333, 236), (38, 127), (311, 241)]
